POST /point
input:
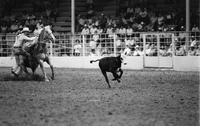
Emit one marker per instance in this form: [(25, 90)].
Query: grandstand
[(149, 29), (61, 9)]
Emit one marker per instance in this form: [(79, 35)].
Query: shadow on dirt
[(9, 77)]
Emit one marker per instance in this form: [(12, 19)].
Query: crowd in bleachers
[(99, 28), (11, 21), (138, 19), (130, 21)]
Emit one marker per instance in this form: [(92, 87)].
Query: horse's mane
[(43, 39), (44, 35), (41, 35)]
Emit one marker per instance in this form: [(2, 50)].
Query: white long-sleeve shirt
[(21, 39)]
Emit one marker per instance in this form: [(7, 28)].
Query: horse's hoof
[(46, 80)]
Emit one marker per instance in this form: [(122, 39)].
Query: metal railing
[(135, 44)]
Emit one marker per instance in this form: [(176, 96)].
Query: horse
[(39, 55)]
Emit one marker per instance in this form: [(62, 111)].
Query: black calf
[(110, 64)]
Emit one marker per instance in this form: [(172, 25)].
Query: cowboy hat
[(25, 29)]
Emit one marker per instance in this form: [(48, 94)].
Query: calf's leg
[(106, 77), (116, 76), (121, 72)]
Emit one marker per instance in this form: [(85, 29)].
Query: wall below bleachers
[(187, 63), (182, 63)]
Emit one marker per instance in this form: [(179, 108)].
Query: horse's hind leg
[(42, 68), (26, 71), (51, 66)]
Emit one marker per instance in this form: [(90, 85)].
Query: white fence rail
[(156, 44)]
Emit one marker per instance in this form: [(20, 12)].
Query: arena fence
[(157, 49)]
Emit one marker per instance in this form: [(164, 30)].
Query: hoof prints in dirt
[(22, 78)]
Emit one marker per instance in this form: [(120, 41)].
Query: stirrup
[(46, 80), (15, 74)]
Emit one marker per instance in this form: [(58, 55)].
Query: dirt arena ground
[(80, 97)]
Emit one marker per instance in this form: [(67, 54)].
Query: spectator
[(127, 51), (129, 31), (129, 12), (162, 51), (137, 11), (93, 46), (181, 51), (96, 37), (99, 30), (193, 42), (170, 50), (93, 29), (191, 51), (118, 43), (102, 21), (81, 22), (110, 30), (4, 28), (85, 30), (137, 51), (197, 53), (14, 27), (143, 17), (195, 28), (77, 48), (122, 31)]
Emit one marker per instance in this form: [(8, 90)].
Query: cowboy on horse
[(38, 49), (18, 50)]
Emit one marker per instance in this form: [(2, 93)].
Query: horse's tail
[(91, 61)]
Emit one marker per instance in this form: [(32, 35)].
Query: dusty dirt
[(80, 97)]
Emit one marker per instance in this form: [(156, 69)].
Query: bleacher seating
[(63, 22)]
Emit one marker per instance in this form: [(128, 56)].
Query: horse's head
[(45, 36)]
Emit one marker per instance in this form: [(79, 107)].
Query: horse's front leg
[(26, 71), (51, 66), (43, 71)]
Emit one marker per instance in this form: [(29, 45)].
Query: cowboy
[(18, 51)]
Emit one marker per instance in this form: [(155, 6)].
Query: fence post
[(72, 48), (83, 39), (51, 48), (144, 49), (115, 48), (173, 45), (158, 49), (173, 49)]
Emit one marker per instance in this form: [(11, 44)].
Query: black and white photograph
[(99, 62)]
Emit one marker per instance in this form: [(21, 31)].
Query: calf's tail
[(94, 60)]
